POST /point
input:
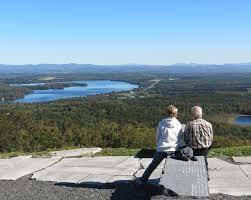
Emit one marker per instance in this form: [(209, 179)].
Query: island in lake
[(56, 85)]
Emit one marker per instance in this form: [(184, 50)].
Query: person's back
[(167, 134), (198, 134), (167, 140)]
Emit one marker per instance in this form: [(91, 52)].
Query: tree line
[(87, 122)]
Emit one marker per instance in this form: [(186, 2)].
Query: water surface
[(93, 87), (244, 120)]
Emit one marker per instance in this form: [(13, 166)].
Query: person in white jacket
[(169, 138)]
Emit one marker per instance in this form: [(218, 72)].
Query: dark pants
[(158, 157), (202, 152)]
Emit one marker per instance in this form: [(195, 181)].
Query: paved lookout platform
[(232, 178)]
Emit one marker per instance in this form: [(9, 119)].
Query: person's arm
[(158, 134), (185, 135), (211, 135), (180, 141)]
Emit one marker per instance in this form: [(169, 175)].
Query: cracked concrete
[(225, 177), (242, 160), (230, 178), (14, 168), (92, 169)]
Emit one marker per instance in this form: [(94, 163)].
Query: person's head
[(196, 112), (172, 111)]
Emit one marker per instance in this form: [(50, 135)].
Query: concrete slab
[(84, 170), (229, 182), (105, 161), (76, 152), (236, 191), (243, 159), (121, 179), (155, 175), (71, 178), (222, 169), (186, 178), (15, 168), (89, 169), (246, 169), (130, 162), (52, 175), (13, 161), (225, 172), (216, 163), (225, 177), (96, 179), (106, 171), (60, 175), (146, 161)]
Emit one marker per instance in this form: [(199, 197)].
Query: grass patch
[(223, 118), (231, 151), (218, 152), (39, 154), (117, 152), (12, 154), (15, 154)]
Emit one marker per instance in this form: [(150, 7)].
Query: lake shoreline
[(92, 88), (243, 120)]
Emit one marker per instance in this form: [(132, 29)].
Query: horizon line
[(132, 64)]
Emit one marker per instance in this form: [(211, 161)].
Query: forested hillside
[(10, 93), (110, 121)]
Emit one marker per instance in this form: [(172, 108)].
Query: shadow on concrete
[(125, 190), (145, 153)]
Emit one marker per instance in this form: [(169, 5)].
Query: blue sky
[(125, 31)]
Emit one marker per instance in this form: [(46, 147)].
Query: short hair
[(196, 112), (172, 111)]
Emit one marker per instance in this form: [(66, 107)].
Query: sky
[(125, 31)]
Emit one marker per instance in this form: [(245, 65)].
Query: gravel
[(26, 189)]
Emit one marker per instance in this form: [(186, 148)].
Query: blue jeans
[(158, 157)]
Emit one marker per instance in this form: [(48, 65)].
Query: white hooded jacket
[(168, 134)]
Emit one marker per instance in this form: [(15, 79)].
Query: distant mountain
[(180, 68)]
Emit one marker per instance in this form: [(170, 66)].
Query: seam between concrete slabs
[(243, 171), (121, 161), (140, 167), (47, 166)]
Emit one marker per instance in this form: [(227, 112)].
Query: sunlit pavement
[(232, 178)]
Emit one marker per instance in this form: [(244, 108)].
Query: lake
[(243, 120), (93, 87)]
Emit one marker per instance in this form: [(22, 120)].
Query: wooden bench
[(186, 178)]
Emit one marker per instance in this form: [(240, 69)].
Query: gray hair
[(196, 112)]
